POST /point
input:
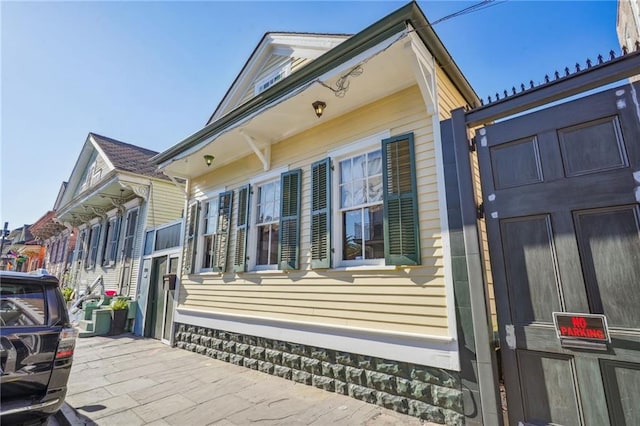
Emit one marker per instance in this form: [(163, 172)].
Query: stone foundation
[(428, 393)]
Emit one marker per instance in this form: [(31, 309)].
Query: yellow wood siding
[(398, 300), (449, 98), (166, 202)]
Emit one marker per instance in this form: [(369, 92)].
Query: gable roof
[(284, 44), (394, 23), (127, 157)]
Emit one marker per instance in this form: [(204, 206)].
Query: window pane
[(207, 250), (374, 190), (345, 171), (357, 170), (148, 242), (374, 236), (359, 194), (22, 305), (168, 237), (346, 197), (374, 166), (267, 253), (352, 235)]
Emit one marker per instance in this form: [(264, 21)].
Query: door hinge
[(480, 211), (472, 144)]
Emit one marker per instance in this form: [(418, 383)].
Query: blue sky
[(151, 73)]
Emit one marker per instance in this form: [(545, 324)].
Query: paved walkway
[(126, 380)]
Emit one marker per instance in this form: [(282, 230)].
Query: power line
[(484, 4)]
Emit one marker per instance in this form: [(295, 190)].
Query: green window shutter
[(192, 233), (401, 230), (225, 201), (242, 228), (289, 232), (321, 214)]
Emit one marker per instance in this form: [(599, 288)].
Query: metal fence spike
[(497, 96), (588, 63), (481, 102), (557, 75), (624, 50), (577, 67), (612, 54), (546, 78), (567, 71), (505, 94), (489, 98), (513, 90), (522, 87), (637, 45), (600, 59), (531, 83)]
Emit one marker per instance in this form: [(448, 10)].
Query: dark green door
[(561, 192), (156, 301)]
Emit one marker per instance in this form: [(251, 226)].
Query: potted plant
[(67, 293), (118, 307)]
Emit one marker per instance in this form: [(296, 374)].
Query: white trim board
[(432, 351)]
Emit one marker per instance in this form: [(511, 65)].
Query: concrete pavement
[(126, 380)]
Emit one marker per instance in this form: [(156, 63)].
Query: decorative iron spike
[(600, 59), (612, 54), (567, 71), (637, 45), (505, 94), (497, 96), (624, 50), (588, 63), (522, 87), (481, 102), (577, 67), (513, 90), (546, 78), (531, 83), (557, 75), (489, 98)]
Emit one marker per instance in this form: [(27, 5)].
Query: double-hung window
[(267, 224), (361, 207), (209, 229), (213, 234), (92, 253), (111, 242), (374, 210), (80, 245)]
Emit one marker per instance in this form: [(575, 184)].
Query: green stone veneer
[(429, 393)]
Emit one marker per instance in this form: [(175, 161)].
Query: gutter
[(367, 38)]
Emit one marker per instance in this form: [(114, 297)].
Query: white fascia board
[(104, 156), (433, 351), (380, 47)]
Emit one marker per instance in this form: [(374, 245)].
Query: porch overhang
[(374, 63), (115, 190)]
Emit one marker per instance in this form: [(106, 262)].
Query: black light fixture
[(209, 159), (318, 107)]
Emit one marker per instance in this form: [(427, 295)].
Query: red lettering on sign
[(580, 322)]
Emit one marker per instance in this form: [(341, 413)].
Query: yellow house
[(316, 246)]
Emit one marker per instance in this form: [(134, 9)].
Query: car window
[(22, 305)]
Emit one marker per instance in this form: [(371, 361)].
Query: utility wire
[(484, 4)]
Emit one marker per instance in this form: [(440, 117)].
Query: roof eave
[(370, 36)]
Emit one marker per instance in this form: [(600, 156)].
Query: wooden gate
[(561, 201)]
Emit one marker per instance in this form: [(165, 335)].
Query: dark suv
[(36, 347)]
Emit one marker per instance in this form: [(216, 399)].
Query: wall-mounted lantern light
[(208, 159), (318, 107)]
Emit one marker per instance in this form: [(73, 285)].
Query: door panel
[(553, 400), (610, 249), (563, 227), (622, 387), (531, 268)]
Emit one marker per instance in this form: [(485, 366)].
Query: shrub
[(67, 292), (119, 304)]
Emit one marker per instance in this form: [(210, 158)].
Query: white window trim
[(199, 244), (284, 69), (361, 146), (252, 242)]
